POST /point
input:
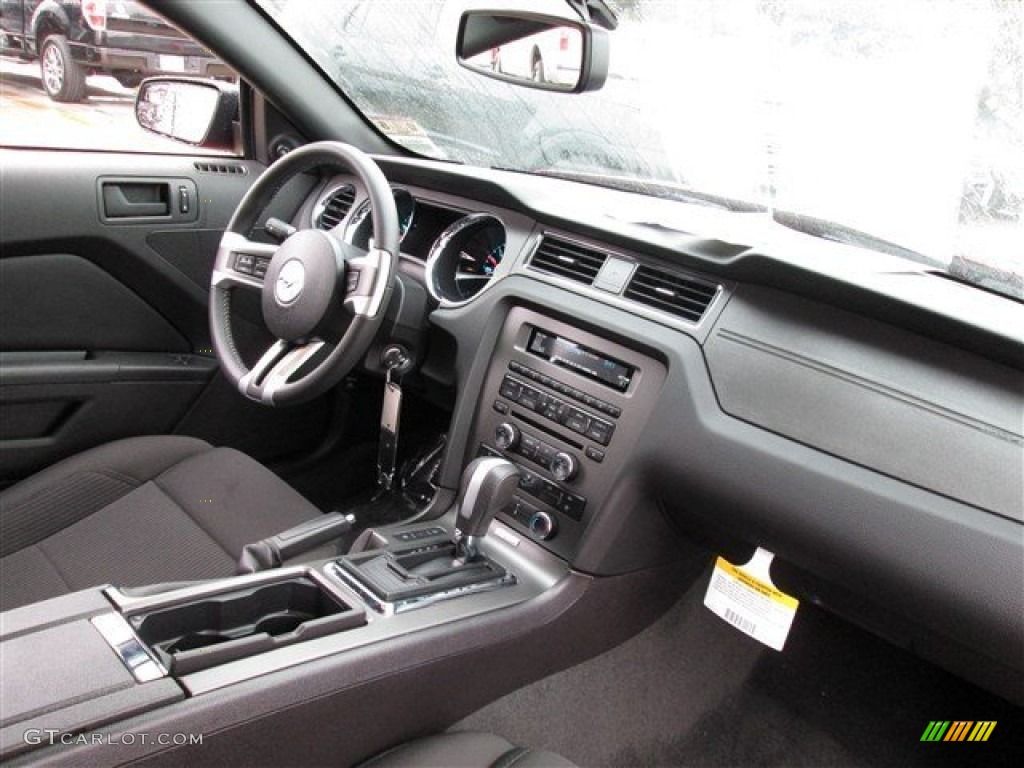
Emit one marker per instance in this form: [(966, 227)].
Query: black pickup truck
[(73, 39)]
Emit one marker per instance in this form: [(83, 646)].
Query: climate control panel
[(561, 464)]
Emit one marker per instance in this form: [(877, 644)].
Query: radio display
[(582, 360)]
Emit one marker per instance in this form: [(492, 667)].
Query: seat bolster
[(134, 459), (75, 488), (465, 750), (234, 499)]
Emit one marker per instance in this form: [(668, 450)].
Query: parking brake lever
[(273, 551)]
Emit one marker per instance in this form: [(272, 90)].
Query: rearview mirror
[(198, 112), (545, 52)]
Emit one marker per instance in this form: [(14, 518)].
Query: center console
[(560, 412), (567, 407)]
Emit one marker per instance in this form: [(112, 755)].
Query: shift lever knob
[(487, 485)]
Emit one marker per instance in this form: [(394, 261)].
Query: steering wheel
[(323, 299)]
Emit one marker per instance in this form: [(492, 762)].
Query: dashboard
[(649, 403)]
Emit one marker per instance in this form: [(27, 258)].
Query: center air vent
[(333, 208), (680, 296), (569, 260)]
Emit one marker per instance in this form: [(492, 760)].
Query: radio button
[(600, 431), (510, 388), (572, 505), (546, 455), (578, 421), (594, 454), (550, 494), (529, 398), (556, 410), (530, 482), (506, 436), (542, 525), (501, 407), (563, 466), (529, 447)]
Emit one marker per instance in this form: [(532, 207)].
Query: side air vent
[(204, 167), (569, 260), (335, 207), (680, 296)]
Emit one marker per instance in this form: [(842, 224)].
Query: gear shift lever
[(487, 485), (405, 575)]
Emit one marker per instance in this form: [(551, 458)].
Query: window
[(68, 80)]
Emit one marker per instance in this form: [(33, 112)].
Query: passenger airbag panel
[(887, 399)]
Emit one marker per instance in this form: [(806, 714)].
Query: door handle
[(124, 200)]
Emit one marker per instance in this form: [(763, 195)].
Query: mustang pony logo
[(290, 282)]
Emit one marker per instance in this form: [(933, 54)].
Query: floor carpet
[(692, 691)]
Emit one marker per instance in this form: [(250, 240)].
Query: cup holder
[(282, 623), (233, 624), (196, 640)]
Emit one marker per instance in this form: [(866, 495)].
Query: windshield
[(903, 121)]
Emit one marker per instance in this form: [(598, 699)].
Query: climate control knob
[(542, 525), (564, 466), (506, 436)]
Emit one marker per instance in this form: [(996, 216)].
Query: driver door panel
[(103, 320)]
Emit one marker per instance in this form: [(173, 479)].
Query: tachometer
[(465, 257), (360, 228)]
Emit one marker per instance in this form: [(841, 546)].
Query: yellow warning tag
[(746, 598)]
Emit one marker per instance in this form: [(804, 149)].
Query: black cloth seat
[(137, 511), (466, 750)]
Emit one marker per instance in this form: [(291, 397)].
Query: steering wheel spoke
[(277, 365), (241, 262), (366, 279)]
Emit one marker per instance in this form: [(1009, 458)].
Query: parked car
[(73, 39), (552, 56)]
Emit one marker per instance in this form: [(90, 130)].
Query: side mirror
[(544, 52), (203, 113)]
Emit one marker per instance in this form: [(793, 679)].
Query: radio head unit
[(580, 359)]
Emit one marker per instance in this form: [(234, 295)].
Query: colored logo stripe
[(958, 730), (982, 730)]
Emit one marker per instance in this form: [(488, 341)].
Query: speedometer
[(465, 257)]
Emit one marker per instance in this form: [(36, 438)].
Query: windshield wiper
[(652, 188), (840, 233)]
